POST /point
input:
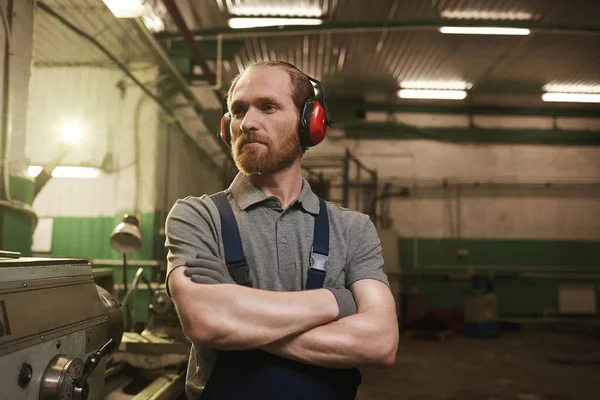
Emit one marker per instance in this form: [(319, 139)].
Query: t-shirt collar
[(246, 194)]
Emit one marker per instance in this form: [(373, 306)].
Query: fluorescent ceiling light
[(125, 8), (153, 22), (497, 15), (240, 23), (551, 87), (450, 85), (432, 94), (66, 172), (571, 97), (482, 30), (274, 10)]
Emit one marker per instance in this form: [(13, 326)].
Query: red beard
[(266, 158)]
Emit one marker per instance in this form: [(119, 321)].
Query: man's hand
[(208, 270)]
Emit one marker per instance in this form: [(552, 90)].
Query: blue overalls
[(256, 374)]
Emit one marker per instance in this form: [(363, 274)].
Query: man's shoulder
[(346, 216), (193, 205)]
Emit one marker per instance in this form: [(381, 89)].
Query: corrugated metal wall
[(184, 170), (104, 104)]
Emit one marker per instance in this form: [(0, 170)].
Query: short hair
[(301, 87)]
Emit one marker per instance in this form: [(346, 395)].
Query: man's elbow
[(385, 354), (388, 358), (198, 323), (201, 332)]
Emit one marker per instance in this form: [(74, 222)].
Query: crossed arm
[(296, 325)]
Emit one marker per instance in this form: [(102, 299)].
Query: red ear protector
[(225, 133), (314, 117)]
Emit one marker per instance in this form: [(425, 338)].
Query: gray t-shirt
[(277, 245)]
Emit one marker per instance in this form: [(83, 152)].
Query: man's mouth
[(252, 142)]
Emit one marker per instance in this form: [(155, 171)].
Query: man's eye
[(268, 107)]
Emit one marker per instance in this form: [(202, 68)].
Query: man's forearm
[(233, 317), (350, 342), (367, 338)]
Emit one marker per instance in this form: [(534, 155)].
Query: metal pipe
[(188, 37), (195, 51), (219, 64), (5, 145), (531, 269), (495, 273), (139, 275), (482, 183), (521, 320), (163, 60), (113, 58), (137, 143), (378, 26), (473, 109)]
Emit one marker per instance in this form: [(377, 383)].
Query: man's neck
[(285, 184)]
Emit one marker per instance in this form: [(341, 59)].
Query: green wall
[(518, 265), (88, 237), (17, 226)]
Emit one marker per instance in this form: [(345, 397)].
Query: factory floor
[(535, 363)]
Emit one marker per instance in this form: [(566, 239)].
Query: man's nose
[(250, 120)]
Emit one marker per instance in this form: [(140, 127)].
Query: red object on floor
[(453, 317)]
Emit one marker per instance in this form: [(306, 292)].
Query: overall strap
[(319, 256), (232, 242)]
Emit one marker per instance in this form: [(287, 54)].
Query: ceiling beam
[(378, 26), (469, 110), (188, 37)]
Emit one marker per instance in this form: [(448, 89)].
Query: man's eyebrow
[(268, 99), (260, 100), (236, 103)]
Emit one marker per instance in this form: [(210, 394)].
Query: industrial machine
[(56, 329)]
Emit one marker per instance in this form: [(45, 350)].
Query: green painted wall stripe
[(558, 254), (530, 298), (21, 189), (17, 226), (17, 231), (517, 296), (89, 237)]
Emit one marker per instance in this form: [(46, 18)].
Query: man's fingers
[(203, 279), (196, 271)]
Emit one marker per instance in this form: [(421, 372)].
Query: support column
[(17, 218)]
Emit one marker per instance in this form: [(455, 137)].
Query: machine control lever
[(90, 365)]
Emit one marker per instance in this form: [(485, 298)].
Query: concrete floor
[(532, 364)]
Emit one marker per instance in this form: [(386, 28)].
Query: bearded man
[(306, 302)]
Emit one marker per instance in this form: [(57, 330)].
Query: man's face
[(264, 122)]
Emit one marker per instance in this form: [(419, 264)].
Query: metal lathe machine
[(56, 328)]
